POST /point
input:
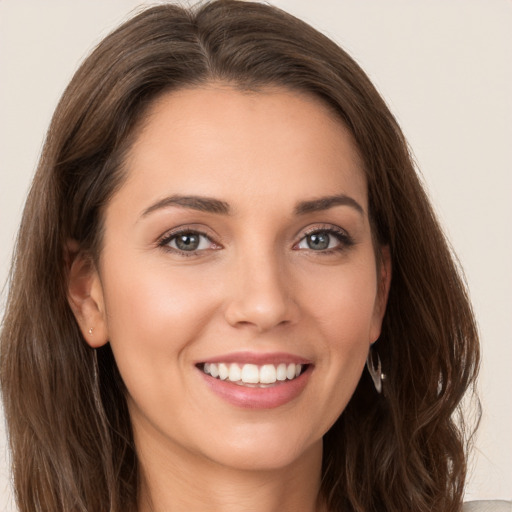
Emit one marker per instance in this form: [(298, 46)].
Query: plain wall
[(443, 66)]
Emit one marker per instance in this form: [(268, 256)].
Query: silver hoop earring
[(375, 371)]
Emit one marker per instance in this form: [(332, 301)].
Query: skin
[(255, 284)]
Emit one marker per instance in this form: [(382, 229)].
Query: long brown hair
[(69, 428)]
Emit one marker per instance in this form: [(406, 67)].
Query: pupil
[(187, 242), (318, 241)]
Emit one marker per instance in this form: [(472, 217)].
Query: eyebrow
[(203, 204), (211, 205), (324, 203)]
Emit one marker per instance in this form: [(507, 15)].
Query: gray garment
[(488, 506)]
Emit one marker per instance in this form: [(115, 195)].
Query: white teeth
[(223, 371), (253, 374), (235, 374), (281, 372), (214, 370), (250, 374), (268, 374)]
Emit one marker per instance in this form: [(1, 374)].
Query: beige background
[(444, 66)]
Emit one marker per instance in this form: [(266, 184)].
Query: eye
[(187, 241), (325, 240)]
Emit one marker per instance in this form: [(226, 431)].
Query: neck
[(180, 482)]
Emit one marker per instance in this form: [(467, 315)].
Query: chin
[(261, 452)]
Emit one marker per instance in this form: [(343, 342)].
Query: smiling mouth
[(252, 375)]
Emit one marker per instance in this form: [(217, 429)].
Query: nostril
[(262, 312)]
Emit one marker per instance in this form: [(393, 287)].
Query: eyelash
[(169, 237), (344, 239)]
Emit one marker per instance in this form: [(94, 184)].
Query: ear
[(85, 295), (383, 285)]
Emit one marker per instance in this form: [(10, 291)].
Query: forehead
[(220, 141)]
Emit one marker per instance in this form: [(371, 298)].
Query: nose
[(262, 294)]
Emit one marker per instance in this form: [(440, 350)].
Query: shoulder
[(488, 506)]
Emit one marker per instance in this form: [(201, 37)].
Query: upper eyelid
[(171, 233), (164, 242), (344, 238), (333, 228), (213, 238)]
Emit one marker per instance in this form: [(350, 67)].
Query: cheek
[(153, 314), (343, 301), (342, 313)]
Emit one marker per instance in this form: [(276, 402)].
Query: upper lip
[(257, 358)]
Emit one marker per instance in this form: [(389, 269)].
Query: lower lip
[(258, 398)]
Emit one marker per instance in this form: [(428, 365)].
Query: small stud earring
[(90, 331)]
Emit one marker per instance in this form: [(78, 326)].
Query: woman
[(225, 218)]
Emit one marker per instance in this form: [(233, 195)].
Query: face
[(237, 283)]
